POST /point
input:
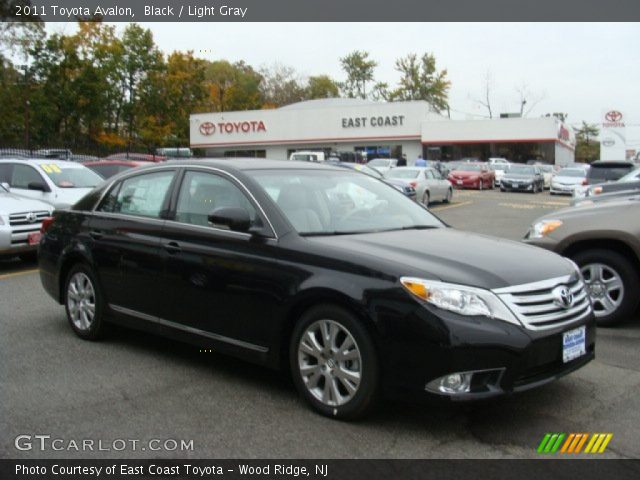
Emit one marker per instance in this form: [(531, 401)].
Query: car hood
[(588, 209), (447, 255), (66, 197), (11, 203), (568, 180), (513, 176)]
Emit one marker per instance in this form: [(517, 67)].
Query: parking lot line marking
[(16, 274), (461, 204)]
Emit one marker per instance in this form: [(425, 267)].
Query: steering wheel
[(357, 212)]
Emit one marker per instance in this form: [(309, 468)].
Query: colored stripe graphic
[(551, 442), (573, 443)]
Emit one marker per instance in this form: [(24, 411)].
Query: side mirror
[(236, 218), (37, 186)]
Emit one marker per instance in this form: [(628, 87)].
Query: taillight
[(46, 223), (413, 184), (584, 182)]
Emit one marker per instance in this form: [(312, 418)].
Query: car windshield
[(499, 166), (522, 170), (468, 167), (325, 202), (379, 162), (372, 172), (632, 176), (406, 173), (71, 176), (571, 172)]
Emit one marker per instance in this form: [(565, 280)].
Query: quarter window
[(201, 193), (142, 195)]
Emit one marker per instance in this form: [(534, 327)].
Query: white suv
[(20, 220), (56, 182)]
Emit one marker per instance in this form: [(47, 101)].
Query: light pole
[(27, 103)]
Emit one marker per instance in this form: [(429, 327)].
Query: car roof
[(612, 164), (134, 163), (246, 164), (40, 161)]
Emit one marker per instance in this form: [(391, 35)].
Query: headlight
[(459, 299), (543, 228)]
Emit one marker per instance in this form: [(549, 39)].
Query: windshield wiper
[(419, 227)]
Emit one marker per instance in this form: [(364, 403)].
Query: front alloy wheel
[(611, 282), (329, 362), (333, 362)]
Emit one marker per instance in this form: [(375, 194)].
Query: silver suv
[(20, 220)]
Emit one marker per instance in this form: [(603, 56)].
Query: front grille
[(16, 219), (537, 306)]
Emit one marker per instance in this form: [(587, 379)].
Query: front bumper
[(465, 182), (430, 343), (521, 186), (562, 189), (15, 240)]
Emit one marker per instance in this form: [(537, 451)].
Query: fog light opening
[(466, 382)]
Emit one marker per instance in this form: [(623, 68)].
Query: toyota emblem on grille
[(562, 296), (31, 217)]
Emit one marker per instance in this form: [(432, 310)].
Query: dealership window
[(245, 154)]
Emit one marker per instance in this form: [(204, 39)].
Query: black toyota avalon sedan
[(335, 275)]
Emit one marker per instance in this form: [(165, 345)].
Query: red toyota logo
[(207, 128), (613, 116)]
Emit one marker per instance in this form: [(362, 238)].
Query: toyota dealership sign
[(613, 143)]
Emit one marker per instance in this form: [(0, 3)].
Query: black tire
[(449, 196), (365, 397), (426, 199), (503, 189), (630, 280), (97, 326)]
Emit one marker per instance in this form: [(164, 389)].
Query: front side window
[(142, 195), (334, 203), (202, 192), (23, 175)]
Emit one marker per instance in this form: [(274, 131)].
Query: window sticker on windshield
[(51, 168)]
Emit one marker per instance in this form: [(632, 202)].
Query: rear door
[(126, 229)]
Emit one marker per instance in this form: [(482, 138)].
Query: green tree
[(421, 80), (587, 149), (321, 86), (11, 104), (140, 58), (359, 70), (231, 87)]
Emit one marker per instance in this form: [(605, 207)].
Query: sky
[(582, 69)]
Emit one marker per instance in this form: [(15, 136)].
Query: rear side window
[(142, 195), (5, 172), (107, 171)]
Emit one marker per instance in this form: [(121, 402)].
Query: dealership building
[(378, 129)]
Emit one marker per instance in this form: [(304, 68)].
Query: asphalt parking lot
[(136, 386)]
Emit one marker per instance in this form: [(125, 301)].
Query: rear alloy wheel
[(426, 199), (83, 303), (612, 283), (333, 362), (449, 196)]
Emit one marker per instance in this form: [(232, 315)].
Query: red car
[(472, 175), (137, 157), (109, 168)]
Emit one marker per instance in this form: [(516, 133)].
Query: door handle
[(172, 248), (96, 234)]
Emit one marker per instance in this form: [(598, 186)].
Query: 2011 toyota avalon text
[(335, 275)]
